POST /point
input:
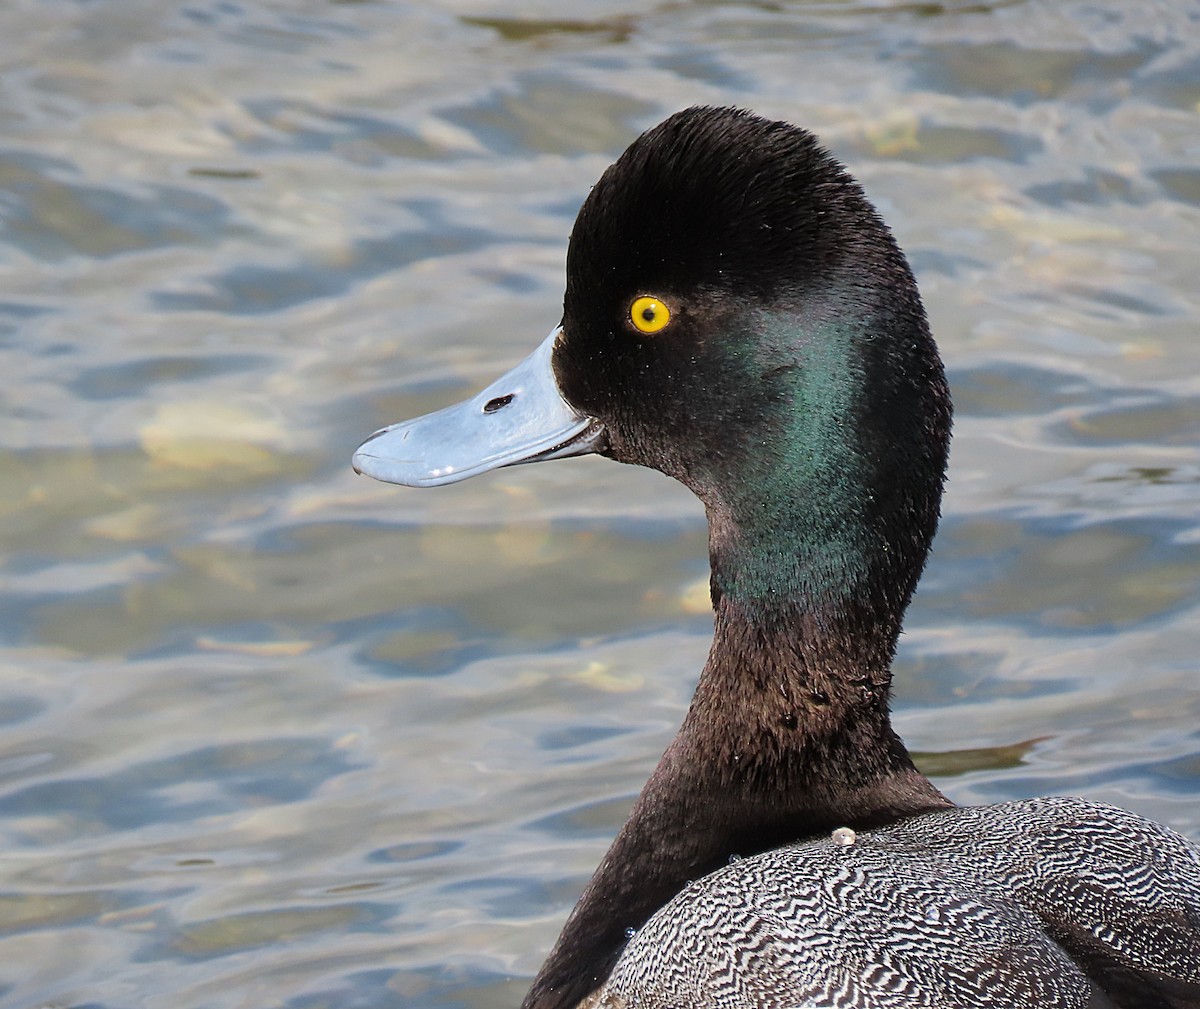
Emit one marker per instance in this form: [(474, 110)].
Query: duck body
[(738, 317), (1045, 902)]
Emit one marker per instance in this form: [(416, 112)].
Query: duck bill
[(521, 417)]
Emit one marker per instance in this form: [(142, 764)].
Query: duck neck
[(787, 737)]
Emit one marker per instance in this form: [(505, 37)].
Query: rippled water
[(273, 735)]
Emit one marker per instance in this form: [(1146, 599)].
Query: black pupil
[(648, 313)]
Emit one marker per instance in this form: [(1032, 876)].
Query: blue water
[(274, 735)]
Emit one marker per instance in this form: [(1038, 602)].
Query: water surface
[(274, 735)]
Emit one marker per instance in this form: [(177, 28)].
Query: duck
[(738, 316)]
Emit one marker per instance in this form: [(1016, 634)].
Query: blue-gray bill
[(521, 417)]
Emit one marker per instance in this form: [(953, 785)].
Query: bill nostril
[(499, 403)]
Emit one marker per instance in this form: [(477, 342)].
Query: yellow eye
[(649, 315)]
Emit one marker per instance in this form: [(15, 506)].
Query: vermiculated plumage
[(1039, 903)]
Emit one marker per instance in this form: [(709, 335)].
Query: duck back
[(1054, 902)]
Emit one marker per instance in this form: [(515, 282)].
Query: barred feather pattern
[(1052, 902)]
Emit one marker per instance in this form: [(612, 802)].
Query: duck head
[(738, 317)]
